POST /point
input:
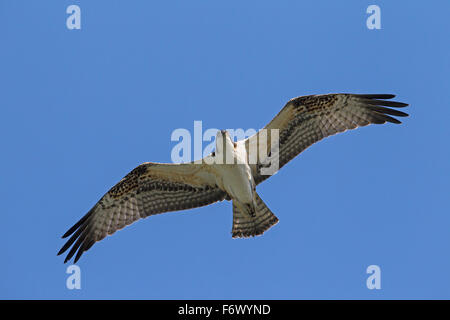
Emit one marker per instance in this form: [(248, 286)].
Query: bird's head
[(223, 134), (224, 143)]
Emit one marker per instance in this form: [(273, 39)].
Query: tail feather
[(245, 225)]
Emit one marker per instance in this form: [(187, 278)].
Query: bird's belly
[(237, 183)]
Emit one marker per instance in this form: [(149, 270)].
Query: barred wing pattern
[(149, 189), (245, 226), (306, 120)]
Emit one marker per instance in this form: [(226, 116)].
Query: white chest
[(236, 181)]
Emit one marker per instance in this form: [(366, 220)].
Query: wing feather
[(306, 120), (149, 189)]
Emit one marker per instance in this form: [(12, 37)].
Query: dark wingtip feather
[(78, 238), (392, 112), (68, 233), (75, 236), (74, 249), (377, 106), (82, 249), (74, 227), (78, 224), (376, 96), (394, 104), (391, 119), (79, 254)]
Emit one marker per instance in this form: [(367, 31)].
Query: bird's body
[(229, 173), (236, 181), (233, 173)]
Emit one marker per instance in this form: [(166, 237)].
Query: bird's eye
[(213, 153)]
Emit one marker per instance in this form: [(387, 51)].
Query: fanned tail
[(245, 225)]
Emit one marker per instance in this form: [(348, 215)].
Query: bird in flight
[(153, 188)]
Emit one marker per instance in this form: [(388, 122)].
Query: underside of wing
[(306, 120), (149, 189)]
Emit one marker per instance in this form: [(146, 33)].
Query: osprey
[(153, 188)]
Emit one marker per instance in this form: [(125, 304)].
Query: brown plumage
[(154, 188), (306, 120), (149, 189)]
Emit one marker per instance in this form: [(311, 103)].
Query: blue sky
[(81, 108)]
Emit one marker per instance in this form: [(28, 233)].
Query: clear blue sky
[(81, 108)]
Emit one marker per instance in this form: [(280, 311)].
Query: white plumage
[(228, 173)]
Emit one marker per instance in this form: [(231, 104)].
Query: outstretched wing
[(149, 189), (308, 119)]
